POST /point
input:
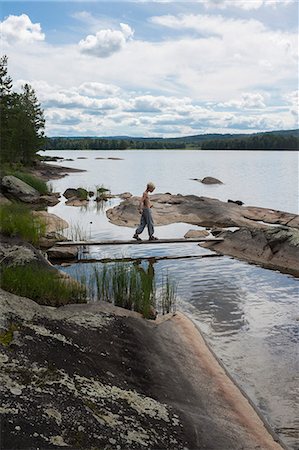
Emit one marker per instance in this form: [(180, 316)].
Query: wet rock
[(276, 248), (237, 202), (70, 193), (193, 234), (210, 180), (62, 252), (49, 200), (76, 202), (19, 189)]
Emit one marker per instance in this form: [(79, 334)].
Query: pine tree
[(5, 108)]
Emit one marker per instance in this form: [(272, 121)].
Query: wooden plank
[(134, 242)]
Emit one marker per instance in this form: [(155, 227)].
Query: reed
[(133, 288)]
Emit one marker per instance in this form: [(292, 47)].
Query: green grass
[(33, 181), (41, 285), (131, 287), (101, 189), (16, 220), (82, 193)]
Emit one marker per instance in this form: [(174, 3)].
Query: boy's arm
[(142, 202)]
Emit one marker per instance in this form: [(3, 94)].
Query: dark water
[(248, 314)]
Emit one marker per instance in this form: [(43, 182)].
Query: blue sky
[(156, 69)]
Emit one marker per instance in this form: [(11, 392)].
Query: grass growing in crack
[(42, 285), (17, 220)]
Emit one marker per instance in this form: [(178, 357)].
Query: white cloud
[(20, 29), (242, 4), (247, 101), (246, 4), (106, 42), (95, 89)]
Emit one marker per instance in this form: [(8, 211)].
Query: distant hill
[(275, 140), (193, 138)]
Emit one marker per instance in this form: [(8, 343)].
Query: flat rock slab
[(203, 211), (88, 377)]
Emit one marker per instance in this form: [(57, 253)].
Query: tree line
[(22, 121), (64, 143), (258, 142)]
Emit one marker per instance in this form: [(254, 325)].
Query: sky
[(150, 68)]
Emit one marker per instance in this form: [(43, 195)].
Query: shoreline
[(48, 172)]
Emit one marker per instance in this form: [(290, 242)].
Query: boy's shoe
[(136, 236), (153, 238)]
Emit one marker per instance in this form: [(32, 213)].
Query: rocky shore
[(261, 235), (97, 376)]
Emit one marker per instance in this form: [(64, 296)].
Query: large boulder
[(62, 252), (19, 189), (53, 223), (274, 247)]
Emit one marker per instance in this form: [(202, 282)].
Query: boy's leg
[(149, 222), (141, 226)]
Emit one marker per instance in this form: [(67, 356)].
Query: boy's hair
[(151, 185)]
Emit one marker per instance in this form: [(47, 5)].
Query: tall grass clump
[(41, 285), (33, 181), (133, 288), (168, 295), (76, 232), (16, 220)]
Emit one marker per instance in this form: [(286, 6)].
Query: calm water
[(248, 314)]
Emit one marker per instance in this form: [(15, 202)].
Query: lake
[(248, 314)]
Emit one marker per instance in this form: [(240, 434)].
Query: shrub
[(17, 220), (44, 286)]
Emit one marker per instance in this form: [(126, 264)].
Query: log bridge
[(135, 242)]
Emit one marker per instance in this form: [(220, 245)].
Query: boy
[(146, 214)]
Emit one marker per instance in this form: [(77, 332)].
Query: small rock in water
[(210, 180), (237, 202)]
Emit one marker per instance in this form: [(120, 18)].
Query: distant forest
[(61, 143), (264, 141)]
